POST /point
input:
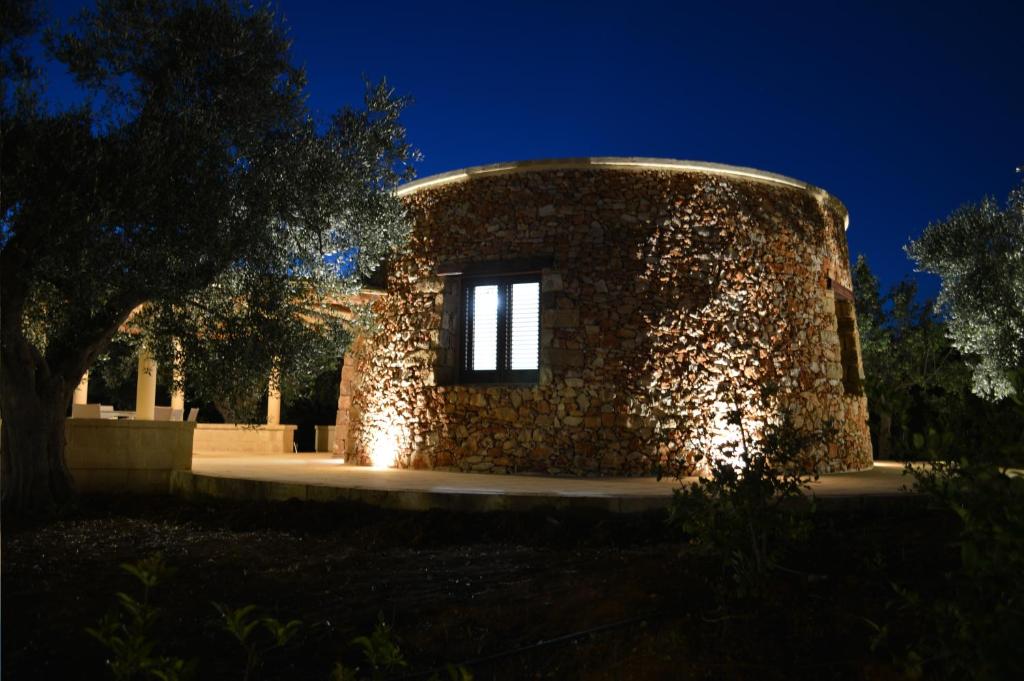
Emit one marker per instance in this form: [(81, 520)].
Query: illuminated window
[(501, 329)]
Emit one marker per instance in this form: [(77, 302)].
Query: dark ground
[(480, 589)]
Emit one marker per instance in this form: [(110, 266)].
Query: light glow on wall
[(725, 435), (383, 445), (727, 443)]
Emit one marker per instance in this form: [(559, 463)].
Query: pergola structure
[(145, 390), (145, 393)]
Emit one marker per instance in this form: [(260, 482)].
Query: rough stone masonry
[(671, 292)]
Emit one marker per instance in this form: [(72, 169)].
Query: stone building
[(601, 316)]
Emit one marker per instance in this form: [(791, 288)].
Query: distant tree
[(919, 386), (910, 365), (193, 194), (978, 251)]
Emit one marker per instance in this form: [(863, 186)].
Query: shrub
[(256, 633), (383, 657), (127, 631), (972, 625), (751, 506)]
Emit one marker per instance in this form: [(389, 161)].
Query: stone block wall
[(106, 455), (244, 439), (670, 296)]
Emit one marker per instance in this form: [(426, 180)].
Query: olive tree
[(978, 251), (190, 196), (909, 362)]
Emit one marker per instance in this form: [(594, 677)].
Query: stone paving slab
[(318, 477)]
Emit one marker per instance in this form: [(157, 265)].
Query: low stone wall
[(231, 437), (127, 456)]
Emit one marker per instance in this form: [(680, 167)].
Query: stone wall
[(231, 437), (106, 455), (670, 296)]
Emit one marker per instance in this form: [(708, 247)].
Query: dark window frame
[(849, 348), (503, 373)]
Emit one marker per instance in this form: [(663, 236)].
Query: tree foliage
[(192, 192), (918, 384), (19, 21), (912, 372), (978, 251), (978, 620)]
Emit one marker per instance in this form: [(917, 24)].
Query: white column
[(178, 400), (145, 386), (177, 394), (274, 399), (82, 391)]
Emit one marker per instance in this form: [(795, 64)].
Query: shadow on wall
[(700, 305)]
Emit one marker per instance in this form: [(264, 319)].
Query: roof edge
[(622, 163)]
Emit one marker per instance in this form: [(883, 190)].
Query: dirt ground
[(511, 596)]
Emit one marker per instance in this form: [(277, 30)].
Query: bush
[(256, 633), (127, 631), (972, 626), (752, 505), (383, 658)]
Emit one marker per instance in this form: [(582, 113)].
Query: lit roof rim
[(620, 162)]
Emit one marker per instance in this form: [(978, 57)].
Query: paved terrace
[(317, 477)]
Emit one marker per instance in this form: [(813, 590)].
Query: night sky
[(903, 113)]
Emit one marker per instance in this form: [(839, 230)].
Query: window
[(847, 327), (501, 329)]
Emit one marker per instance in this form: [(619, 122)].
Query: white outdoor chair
[(85, 411)]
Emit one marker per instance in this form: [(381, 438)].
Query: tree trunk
[(33, 407), (36, 384), (884, 435)]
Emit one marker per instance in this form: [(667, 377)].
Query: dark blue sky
[(902, 110)]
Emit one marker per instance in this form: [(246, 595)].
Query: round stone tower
[(603, 316)]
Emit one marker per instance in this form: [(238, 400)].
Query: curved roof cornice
[(620, 163)]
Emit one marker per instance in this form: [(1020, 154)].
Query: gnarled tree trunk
[(33, 405)]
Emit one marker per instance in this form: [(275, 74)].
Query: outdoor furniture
[(86, 411), (176, 415), (193, 414), (162, 414)]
